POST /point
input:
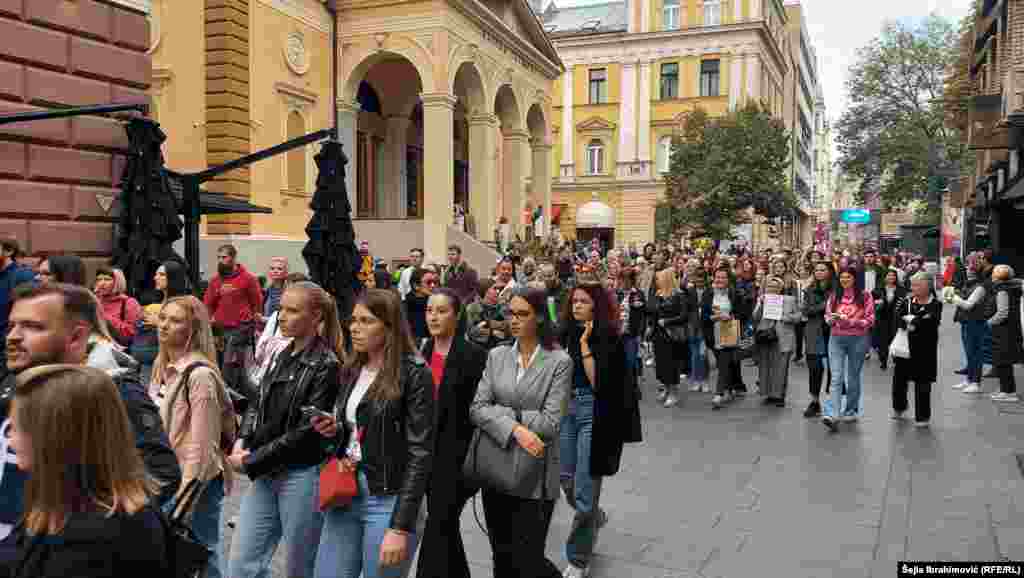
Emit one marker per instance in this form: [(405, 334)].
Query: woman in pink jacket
[(850, 312)]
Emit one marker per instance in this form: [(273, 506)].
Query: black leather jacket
[(299, 445), (398, 439)]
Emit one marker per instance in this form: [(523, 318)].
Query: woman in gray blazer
[(520, 400), (773, 356)]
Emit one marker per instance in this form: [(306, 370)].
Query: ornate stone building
[(441, 103), (633, 67)]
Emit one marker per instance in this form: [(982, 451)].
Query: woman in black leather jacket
[(383, 429), (668, 312), (278, 448)]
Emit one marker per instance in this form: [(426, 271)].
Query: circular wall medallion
[(295, 54)]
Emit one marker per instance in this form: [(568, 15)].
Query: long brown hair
[(398, 343), (200, 338), (82, 453)]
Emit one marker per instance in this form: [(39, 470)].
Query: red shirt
[(235, 299), (437, 370)]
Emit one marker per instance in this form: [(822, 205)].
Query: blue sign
[(856, 216)]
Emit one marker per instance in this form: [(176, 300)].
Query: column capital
[(484, 119), (542, 146), (348, 107), (438, 100), (515, 134)]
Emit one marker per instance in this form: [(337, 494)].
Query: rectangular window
[(709, 78), (670, 15), (712, 12), (669, 81), (595, 158), (598, 86)]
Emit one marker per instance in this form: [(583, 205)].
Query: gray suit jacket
[(784, 329), (499, 397)]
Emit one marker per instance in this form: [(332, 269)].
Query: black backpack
[(187, 557)]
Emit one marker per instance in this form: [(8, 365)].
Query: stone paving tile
[(755, 490)]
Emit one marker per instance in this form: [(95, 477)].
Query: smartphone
[(311, 411)]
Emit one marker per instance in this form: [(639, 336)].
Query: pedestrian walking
[(725, 310), (851, 314), (775, 339), (667, 311), (975, 310), (383, 428), (519, 406), (602, 414), (919, 314), (817, 334), (887, 318), (456, 366)]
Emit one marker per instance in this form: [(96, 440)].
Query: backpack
[(186, 556), (229, 423)]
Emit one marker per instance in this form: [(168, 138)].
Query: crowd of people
[(520, 385)]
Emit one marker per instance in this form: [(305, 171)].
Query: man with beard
[(12, 274), (234, 299), (459, 276), (52, 324)]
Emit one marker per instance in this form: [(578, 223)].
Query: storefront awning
[(212, 203)]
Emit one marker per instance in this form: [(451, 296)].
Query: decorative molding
[(156, 32), (144, 6), (595, 124), (295, 54), (105, 200), (438, 99), (300, 97), (317, 19)]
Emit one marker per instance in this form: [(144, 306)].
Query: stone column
[(627, 119), (483, 174), (643, 117), (755, 9), (438, 173), (735, 71), (645, 15), (542, 180), (568, 165), (394, 168), (754, 77), (514, 146), (348, 121)]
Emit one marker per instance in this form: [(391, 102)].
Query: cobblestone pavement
[(755, 490)]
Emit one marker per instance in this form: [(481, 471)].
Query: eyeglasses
[(521, 314)]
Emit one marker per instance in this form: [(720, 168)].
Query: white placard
[(773, 305)]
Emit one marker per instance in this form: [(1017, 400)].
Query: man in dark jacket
[(49, 325), (12, 274)]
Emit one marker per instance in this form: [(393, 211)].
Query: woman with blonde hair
[(87, 500), (197, 413), (669, 314), (278, 449)]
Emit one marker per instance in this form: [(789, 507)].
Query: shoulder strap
[(185, 375)]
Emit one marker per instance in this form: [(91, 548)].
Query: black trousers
[(1007, 383), (817, 369), (922, 393), (799, 329), (442, 552), (518, 529)]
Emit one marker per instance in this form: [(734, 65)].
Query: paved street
[(755, 489)]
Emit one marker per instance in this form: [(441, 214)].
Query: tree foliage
[(721, 167), (893, 133)]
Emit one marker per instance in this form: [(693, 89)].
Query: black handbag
[(187, 557), (766, 336)]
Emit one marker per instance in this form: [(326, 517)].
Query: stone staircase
[(480, 255)]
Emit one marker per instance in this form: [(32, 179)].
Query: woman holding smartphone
[(850, 312), (383, 431)]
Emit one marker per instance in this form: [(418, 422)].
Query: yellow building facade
[(441, 104), (633, 69)]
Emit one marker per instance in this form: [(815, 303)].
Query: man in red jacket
[(234, 298)]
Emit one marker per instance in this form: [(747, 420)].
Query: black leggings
[(817, 367), (1007, 383)]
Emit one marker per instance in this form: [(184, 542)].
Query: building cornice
[(494, 29), (316, 19), (144, 6)]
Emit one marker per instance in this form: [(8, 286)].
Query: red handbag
[(337, 486)]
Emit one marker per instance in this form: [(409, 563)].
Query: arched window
[(296, 158), (595, 157), (670, 15), (664, 154)]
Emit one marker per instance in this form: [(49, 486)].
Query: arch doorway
[(596, 220)]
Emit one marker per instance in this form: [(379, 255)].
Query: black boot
[(813, 409)]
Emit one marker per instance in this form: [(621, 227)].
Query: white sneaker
[(898, 415), (1009, 397), (694, 387), (575, 572), (718, 400), (972, 388), (848, 418), (649, 362), (671, 400), (705, 388), (920, 424), (960, 385)]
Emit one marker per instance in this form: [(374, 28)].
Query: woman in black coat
[(667, 312), (919, 313), (456, 366), (886, 318), (1007, 342)]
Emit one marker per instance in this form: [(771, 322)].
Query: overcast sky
[(839, 27)]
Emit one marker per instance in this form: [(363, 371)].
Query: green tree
[(721, 167), (893, 135)]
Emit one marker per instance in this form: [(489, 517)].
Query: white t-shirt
[(366, 377)]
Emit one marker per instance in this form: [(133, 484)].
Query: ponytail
[(330, 325)]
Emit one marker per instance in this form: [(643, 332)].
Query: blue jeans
[(582, 491), (206, 523), (698, 365), (846, 359), (632, 346), (352, 535), (278, 507), (974, 336)]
